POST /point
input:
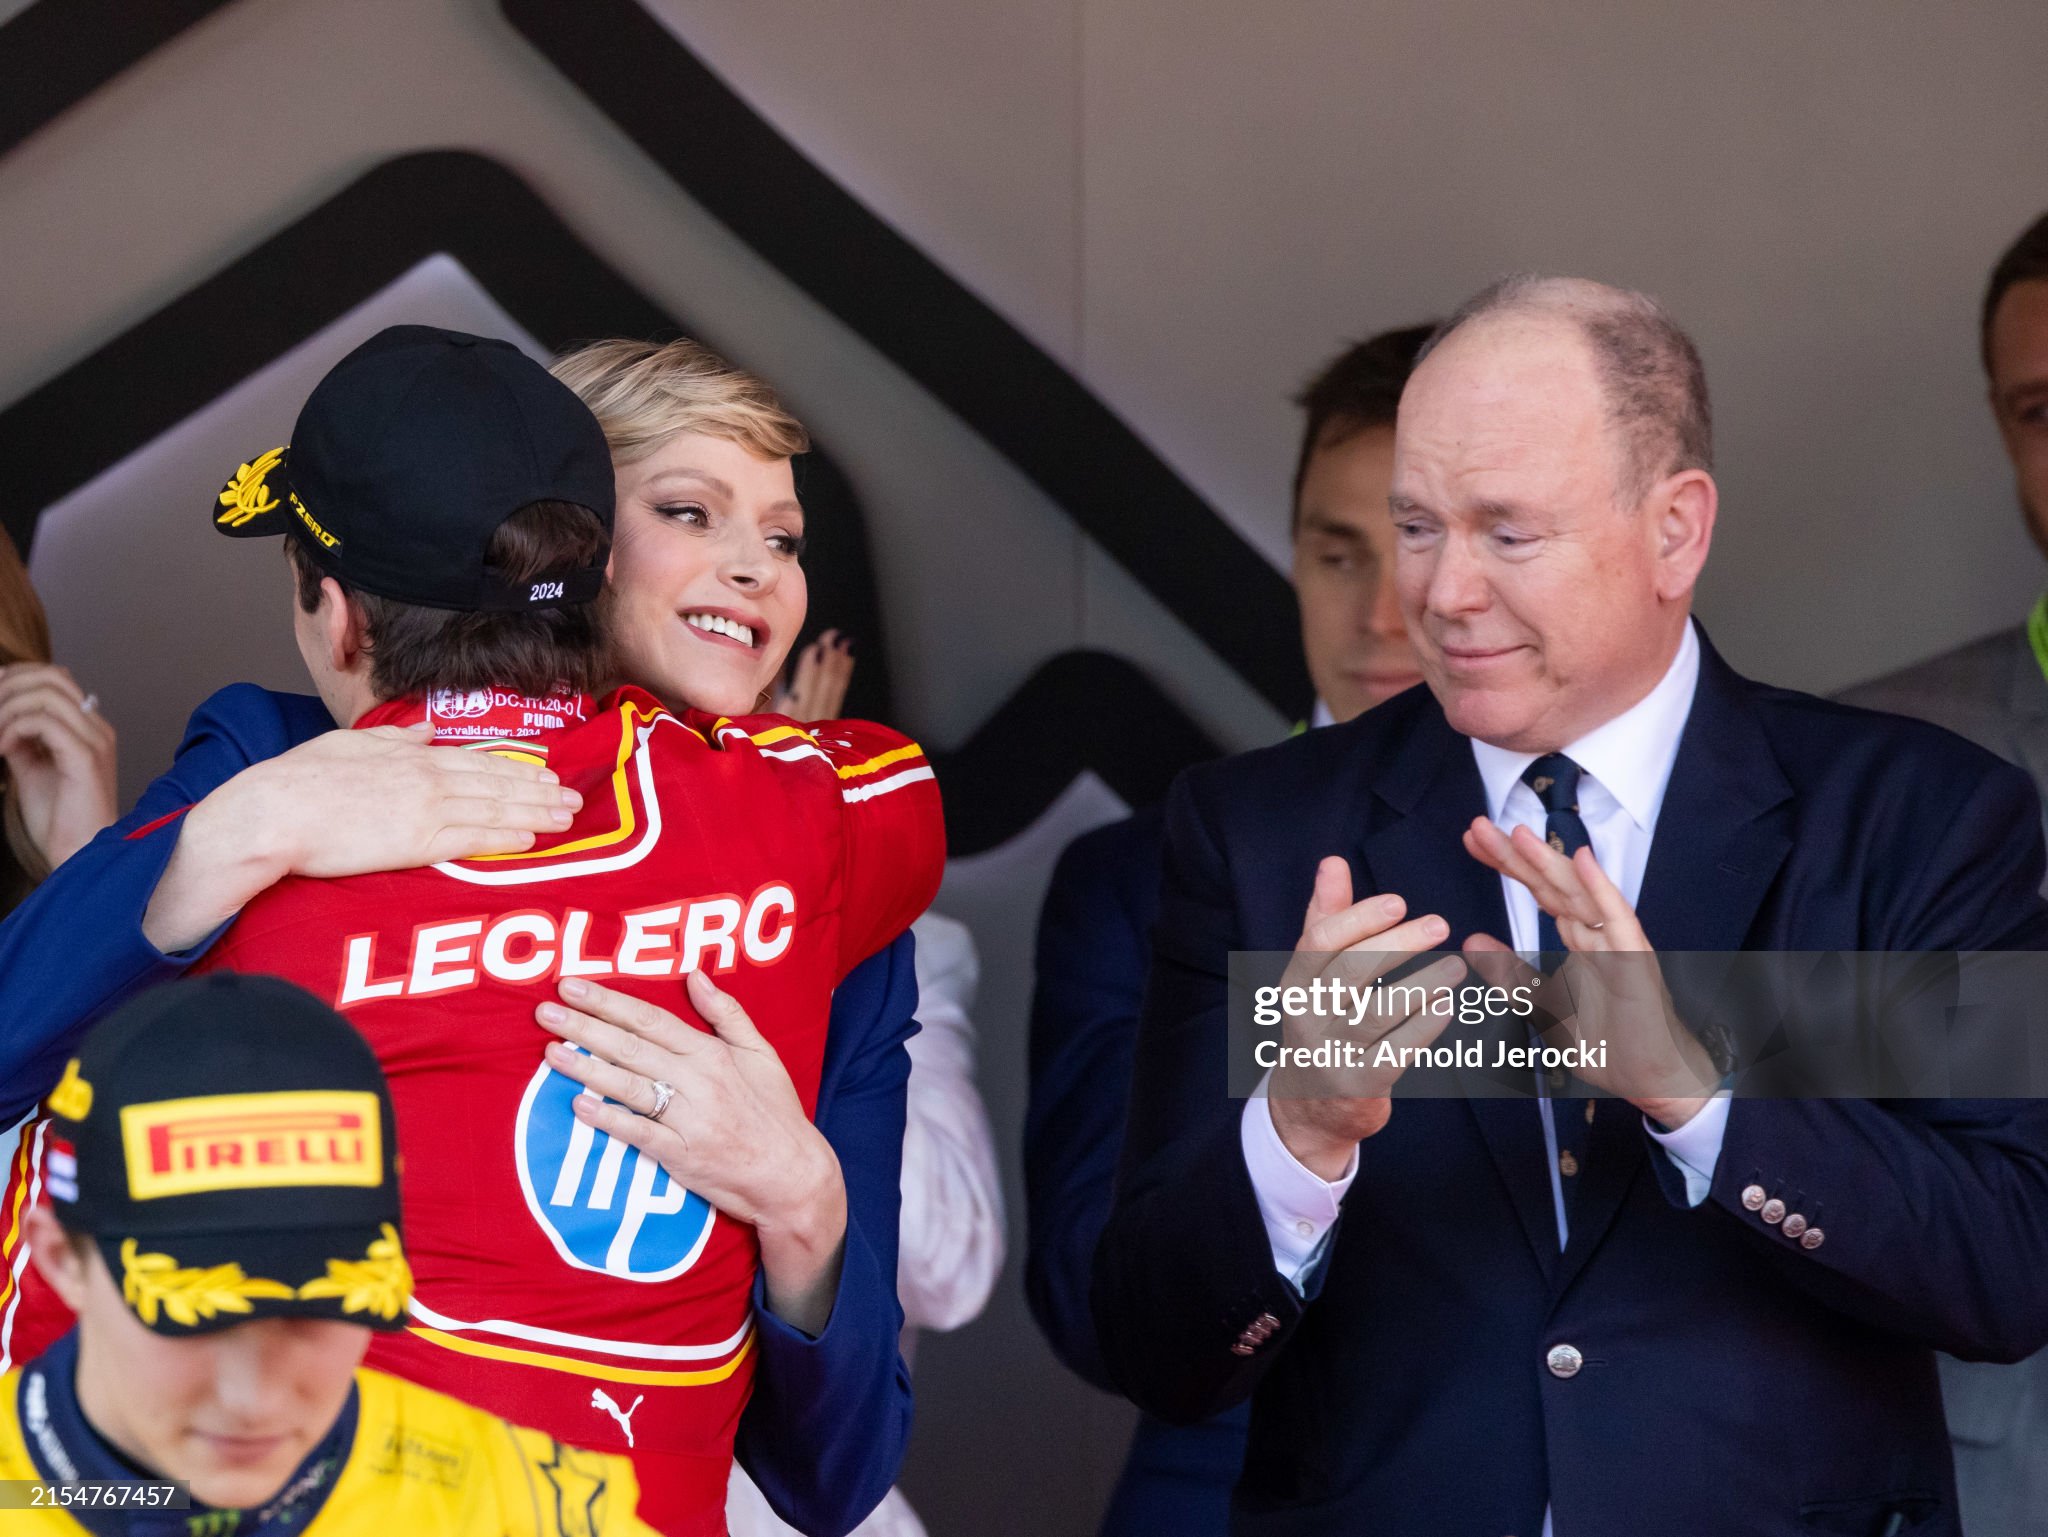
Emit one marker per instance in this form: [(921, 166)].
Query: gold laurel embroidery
[(188, 1294), (72, 1098), (246, 496), (379, 1283)]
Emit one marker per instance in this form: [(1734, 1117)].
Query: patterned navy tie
[(1555, 779)]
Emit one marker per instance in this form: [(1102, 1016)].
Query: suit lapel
[(1421, 802), (1725, 826), (1722, 834), (2027, 708)]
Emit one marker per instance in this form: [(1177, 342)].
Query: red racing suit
[(564, 1281)]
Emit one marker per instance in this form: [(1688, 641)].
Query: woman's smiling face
[(707, 591)]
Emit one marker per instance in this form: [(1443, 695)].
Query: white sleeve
[(1299, 1206), (1696, 1146), (952, 1236)]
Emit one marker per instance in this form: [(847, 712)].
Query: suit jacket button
[(1753, 1197), (1812, 1238), (1773, 1212), (1243, 1347), (1564, 1361), (1795, 1225)]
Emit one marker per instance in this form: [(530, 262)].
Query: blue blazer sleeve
[(1094, 945), (75, 948), (1176, 1278), (824, 1433), (1933, 1210)]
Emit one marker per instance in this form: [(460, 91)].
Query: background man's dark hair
[(1650, 372), (1357, 390), (528, 651), (2025, 261)]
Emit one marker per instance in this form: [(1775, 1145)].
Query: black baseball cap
[(407, 457), (228, 1143)]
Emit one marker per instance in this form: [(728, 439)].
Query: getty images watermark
[(1338, 1002), (1806, 1024)]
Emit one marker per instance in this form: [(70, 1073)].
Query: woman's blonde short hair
[(644, 393)]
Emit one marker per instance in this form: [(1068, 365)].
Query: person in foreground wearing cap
[(824, 1429), (223, 1217)]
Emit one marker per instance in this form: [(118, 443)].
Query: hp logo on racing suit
[(602, 1204)]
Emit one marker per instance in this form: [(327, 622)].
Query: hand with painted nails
[(716, 1108), (1613, 986), (818, 680), (1323, 1113)]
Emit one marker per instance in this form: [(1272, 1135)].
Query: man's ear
[(1684, 506), (342, 631), (56, 1257)]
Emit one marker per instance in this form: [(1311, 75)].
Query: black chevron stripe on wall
[(1078, 710)]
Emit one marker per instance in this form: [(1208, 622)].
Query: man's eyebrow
[(1493, 511), (1313, 522), (2026, 392), (1398, 503)]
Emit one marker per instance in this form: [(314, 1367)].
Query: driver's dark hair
[(530, 651)]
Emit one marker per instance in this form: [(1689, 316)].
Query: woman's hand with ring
[(734, 1129)]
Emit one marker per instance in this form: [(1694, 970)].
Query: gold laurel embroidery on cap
[(247, 497), (188, 1294), (380, 1282), (72, 1098)]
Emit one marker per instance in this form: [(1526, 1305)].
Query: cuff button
[(1773, 1211), (1812, 1238), (1795, 1225), (1753, 1197)]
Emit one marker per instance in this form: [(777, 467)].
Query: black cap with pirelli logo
[(407, 457), (228, 1143)]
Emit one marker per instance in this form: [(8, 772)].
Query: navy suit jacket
[(1094, 949), (1734, 1381), (824, 1432)]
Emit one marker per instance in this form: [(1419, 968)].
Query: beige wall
[(1188, 203)]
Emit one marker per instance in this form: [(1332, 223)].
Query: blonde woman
[(706, 596)]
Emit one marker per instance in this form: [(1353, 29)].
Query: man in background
[(1995, 692), (1095, 931)]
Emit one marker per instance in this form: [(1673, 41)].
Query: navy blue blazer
[(1094, 948), (1734, 1381), (824, 1432)]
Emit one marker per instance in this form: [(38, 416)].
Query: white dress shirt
[(1626, 766), (951, 1245)]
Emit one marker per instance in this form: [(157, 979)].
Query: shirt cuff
[(1298, 1205), (1696, 1146)]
